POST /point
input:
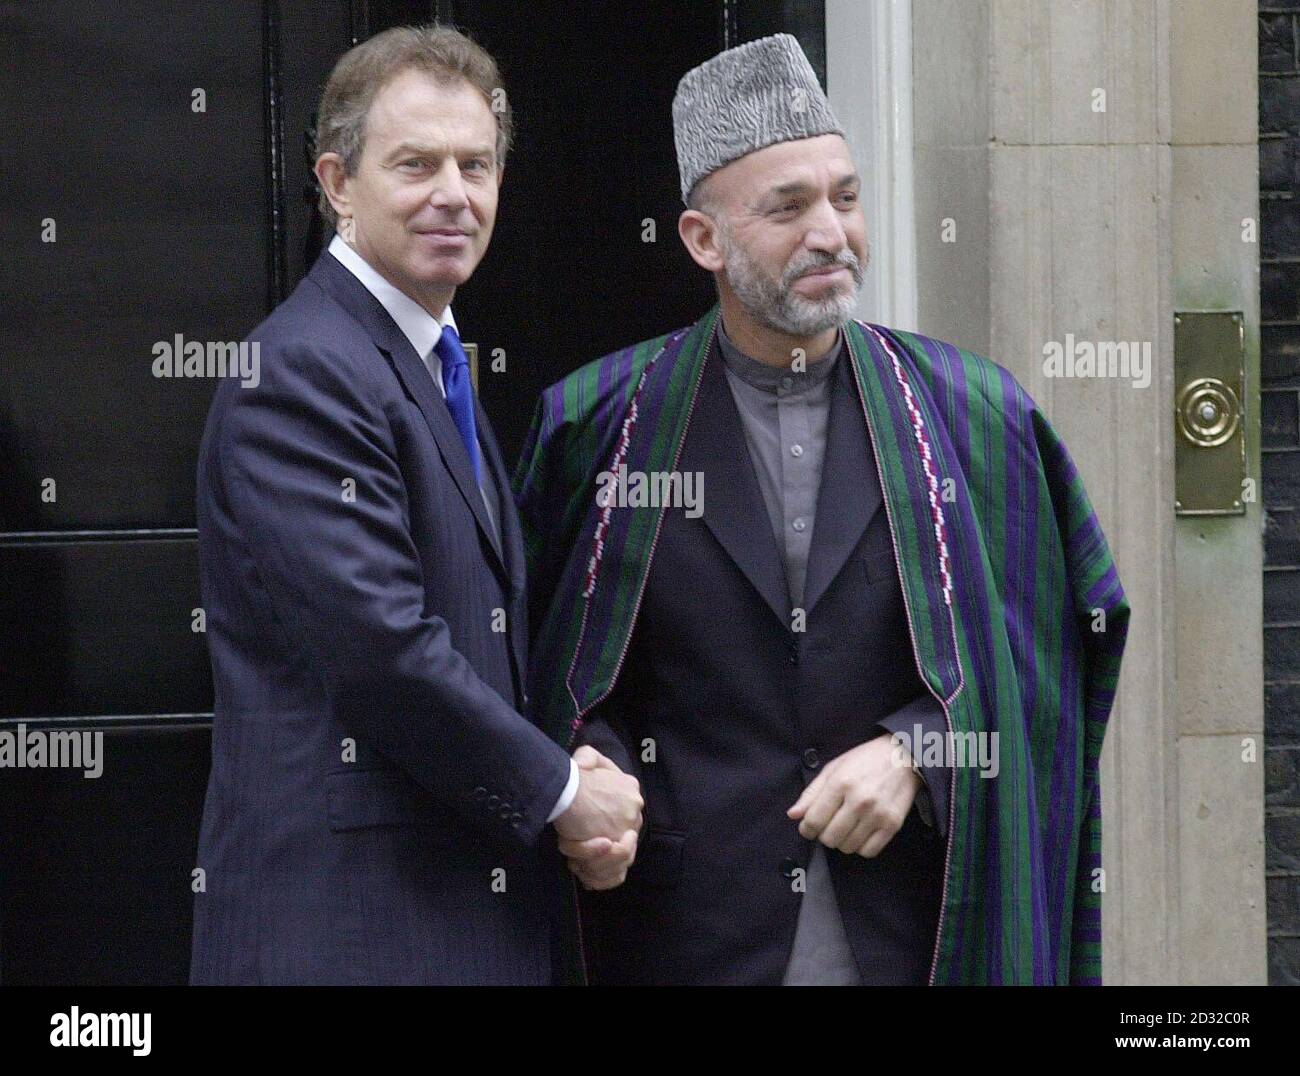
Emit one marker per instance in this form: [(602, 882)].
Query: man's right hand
[(598, 832)]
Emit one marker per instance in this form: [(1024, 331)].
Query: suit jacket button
[(811, 759), (480, 793), (492, 802), (515, 819), (788, 867), (505, 810)]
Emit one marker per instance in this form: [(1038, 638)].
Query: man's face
[(792, 233), (424, 197)]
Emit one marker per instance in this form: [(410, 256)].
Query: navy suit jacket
[(376, 805)]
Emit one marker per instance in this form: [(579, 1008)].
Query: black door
[(157, 186)]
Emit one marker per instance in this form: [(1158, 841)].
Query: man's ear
[(333, 181), (700, 237), (501, 175)]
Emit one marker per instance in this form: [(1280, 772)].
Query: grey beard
[(775, 304)]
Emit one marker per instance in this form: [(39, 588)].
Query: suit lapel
[(512, 541), (733, 503), (849, 494), (511, 547), (356, 299)]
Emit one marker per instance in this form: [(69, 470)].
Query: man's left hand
[(860, 799)]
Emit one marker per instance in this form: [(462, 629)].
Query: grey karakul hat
[(754, 95)]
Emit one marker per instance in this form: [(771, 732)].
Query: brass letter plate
[(1209, 414)]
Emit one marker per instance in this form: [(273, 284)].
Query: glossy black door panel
[(96, 872), (102, 628), (156, 215)]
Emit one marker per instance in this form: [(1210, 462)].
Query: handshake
[(599, 830)]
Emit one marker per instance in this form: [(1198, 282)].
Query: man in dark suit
[(377, 804), (760, 665)]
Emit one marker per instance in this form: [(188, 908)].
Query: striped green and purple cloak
[(1013, 603)]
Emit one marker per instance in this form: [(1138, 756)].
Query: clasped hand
[(598, 833), (856, 804), (860, 799)]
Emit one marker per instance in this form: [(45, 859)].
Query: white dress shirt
[(424, 331), (417, 324)]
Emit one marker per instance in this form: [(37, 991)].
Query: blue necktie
[(459, 391)]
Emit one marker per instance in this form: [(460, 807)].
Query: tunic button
[(796, 451), (799, 524)]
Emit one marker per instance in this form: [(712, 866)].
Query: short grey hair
[(446, 54), (702, 199)]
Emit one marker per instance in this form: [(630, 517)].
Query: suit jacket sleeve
[(926, 712), (346, 585)]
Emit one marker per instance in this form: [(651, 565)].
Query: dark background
[(1279, 267), (170, 221)]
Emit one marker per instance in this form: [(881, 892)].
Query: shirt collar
[(417, 324), (767, 377)]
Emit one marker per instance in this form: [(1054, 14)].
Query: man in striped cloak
[(832, 592)]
